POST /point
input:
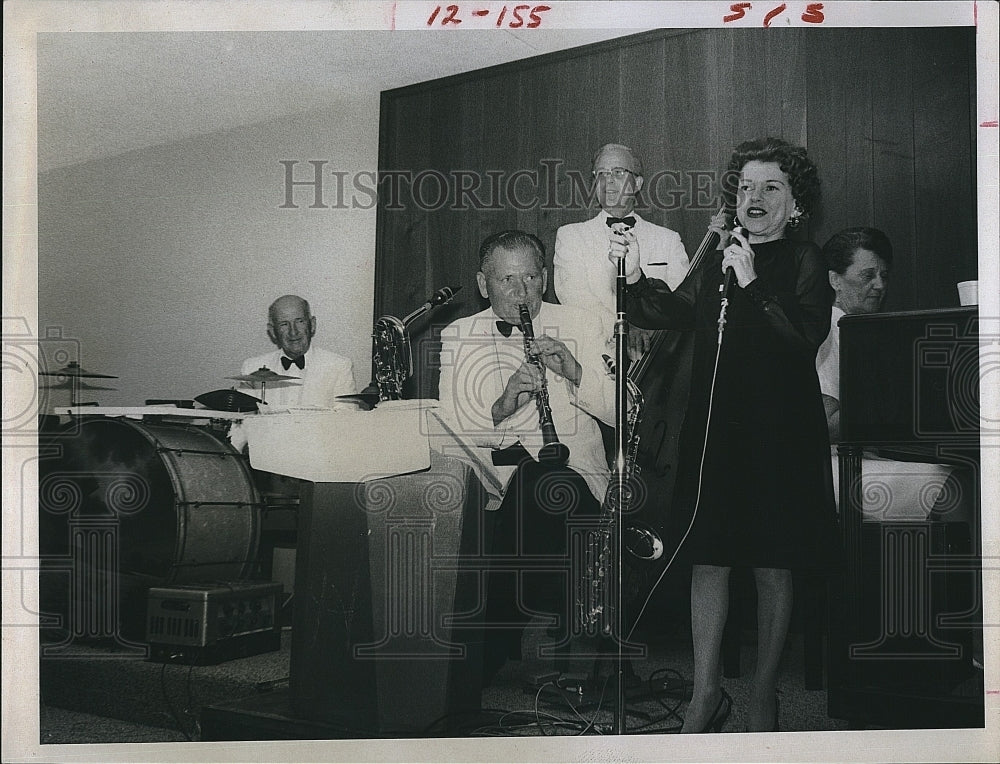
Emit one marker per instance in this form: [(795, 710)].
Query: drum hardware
[(73, 383), (183, 451), (262, 375), (196, 504)]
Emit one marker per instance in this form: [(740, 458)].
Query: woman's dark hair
[(840, 248), (792, 160)]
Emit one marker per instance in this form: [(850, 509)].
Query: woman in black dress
[(755, 475)]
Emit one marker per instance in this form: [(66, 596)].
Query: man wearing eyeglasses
[(582, 273)]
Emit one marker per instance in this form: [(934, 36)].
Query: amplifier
[(212, 623)]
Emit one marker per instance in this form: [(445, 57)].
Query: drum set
[(153, 496)]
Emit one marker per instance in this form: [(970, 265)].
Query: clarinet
[(552, 452)]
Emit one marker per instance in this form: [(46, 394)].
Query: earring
[(795, 219)]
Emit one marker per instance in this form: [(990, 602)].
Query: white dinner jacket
[(476, 363)]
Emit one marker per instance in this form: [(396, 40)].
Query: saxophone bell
[(392, 358)]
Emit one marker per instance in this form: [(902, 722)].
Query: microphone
[(441, 296), (727, 283), (725, 289)]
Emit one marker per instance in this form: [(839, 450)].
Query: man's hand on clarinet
[(557, 358), (521, 386)]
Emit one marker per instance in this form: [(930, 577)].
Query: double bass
[(663, 375)]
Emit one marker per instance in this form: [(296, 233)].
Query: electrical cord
[(592, 723), (166, 698), (190, 698), (546, 722), (446, 723), (697, 501)]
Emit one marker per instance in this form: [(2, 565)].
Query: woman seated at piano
[(859, 262)]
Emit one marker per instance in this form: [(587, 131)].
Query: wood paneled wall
[(888, 115)]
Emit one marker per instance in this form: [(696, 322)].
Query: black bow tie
[(629, 221), (300, 362), (506, 328)]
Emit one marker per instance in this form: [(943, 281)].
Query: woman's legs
[(774, 611), (709, 608)]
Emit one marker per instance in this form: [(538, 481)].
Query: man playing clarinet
[(524, 402)]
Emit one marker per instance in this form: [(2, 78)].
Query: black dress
[(765, 495)]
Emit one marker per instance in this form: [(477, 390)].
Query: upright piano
[(906, 613)]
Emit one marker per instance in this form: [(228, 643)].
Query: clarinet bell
[(554, 454)]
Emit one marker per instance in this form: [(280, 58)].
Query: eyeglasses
[(618, 173)]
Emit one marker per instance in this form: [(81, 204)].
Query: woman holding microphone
[(754, 487)]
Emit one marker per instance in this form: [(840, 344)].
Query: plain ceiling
[(103, 94)]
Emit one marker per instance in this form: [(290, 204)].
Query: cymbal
[(68, 384), (263, 374), (73, 369), (228, 400)]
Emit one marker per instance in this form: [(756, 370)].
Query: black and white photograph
[(414, 381)]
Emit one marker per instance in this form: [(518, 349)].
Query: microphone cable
[(697, 501)]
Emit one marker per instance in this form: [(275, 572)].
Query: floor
[(102, 695)]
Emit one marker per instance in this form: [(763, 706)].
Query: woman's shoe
[(721, 714)]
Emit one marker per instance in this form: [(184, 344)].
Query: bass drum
[(178, 502)]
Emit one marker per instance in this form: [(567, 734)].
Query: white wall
[(162, 262)]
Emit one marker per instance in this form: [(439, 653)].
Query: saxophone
[(392, 359), (596, 603)]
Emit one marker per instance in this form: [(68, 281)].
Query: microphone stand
[(621, 438)]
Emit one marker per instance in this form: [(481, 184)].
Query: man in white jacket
[(487, 394), (320, 376), (582, 274)]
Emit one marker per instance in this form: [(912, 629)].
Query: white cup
[(968, 292)]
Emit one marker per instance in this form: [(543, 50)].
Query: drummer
[(325, 375)]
